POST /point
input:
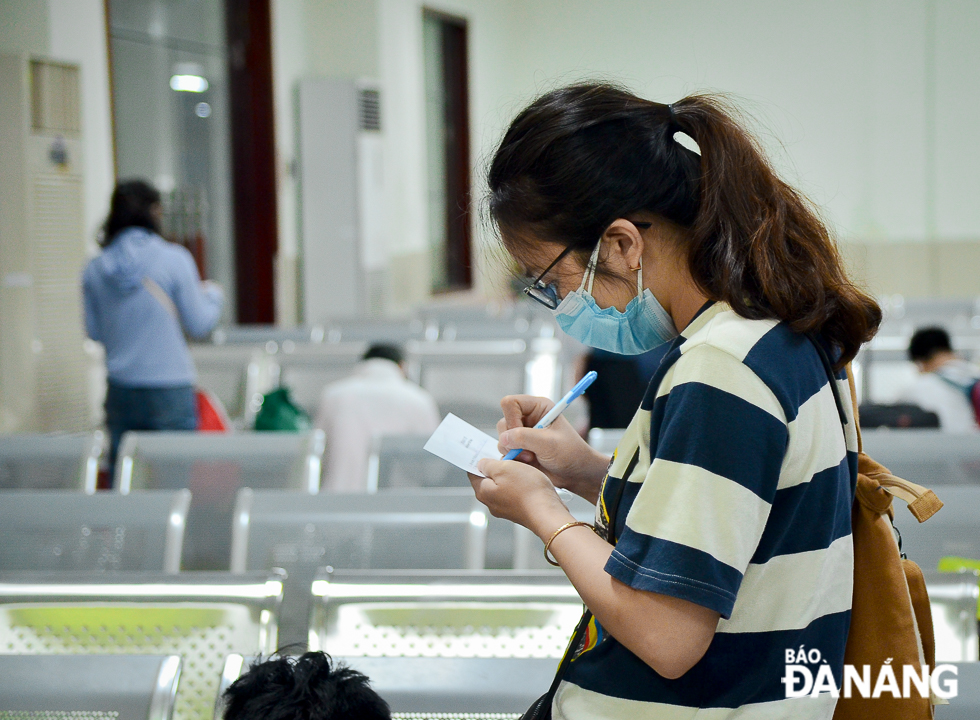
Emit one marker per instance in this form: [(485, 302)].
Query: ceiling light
[(188, 83)]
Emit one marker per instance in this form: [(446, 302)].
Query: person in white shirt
[(944, 382), (376, 400)]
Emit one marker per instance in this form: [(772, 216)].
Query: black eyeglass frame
[(544, 293)]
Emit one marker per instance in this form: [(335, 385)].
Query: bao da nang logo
[(807, 673)]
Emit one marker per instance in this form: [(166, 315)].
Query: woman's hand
[(557, 451), (522, 494)]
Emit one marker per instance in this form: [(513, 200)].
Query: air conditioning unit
[(342, 243), (43, 366)]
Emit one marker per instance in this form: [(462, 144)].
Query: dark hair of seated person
[(926, 342), (385, 351), (308, 687)]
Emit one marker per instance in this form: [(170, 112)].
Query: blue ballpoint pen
[(559, 408)]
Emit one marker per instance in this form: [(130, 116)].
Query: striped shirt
[(739, 501)]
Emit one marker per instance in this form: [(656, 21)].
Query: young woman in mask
[(729, 497)]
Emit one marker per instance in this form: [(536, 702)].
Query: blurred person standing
[(141, 295), (376, 400), (945, 383)]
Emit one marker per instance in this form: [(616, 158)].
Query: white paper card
[(458, 442)]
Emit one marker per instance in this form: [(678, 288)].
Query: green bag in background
[(279, 414)]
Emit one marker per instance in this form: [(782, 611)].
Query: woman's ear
[(623, 246)]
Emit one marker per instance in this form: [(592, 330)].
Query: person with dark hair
[(377, 399), (308, 687), (722, 533), (385, 352), (945, 384), (141, 294)]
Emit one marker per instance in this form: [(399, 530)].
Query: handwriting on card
[(458, 442)]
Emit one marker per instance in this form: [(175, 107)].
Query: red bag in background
[(211, 415)]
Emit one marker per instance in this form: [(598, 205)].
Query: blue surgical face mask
[(642, 327)]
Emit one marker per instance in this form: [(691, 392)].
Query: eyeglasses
[(546, 293)]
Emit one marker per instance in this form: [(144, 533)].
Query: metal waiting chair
[(440, 613), (966, 704), (953, 599), (67, 687), (953, 531), (469, 377), (399, 462), (56, 461), (307, 369), (928, 457), (215, 467), (106, 532), (441, 642), (605, 440), (202, 617), (409, 529), (237, 375), (428, 529), (261, 334), (372, 331)]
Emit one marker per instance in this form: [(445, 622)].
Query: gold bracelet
[(559, 531)]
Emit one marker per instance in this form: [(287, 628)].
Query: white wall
[(491, 35), (78, 35), (868, 106), (24, 26), (845, 84), (311, 38), (73, 31)]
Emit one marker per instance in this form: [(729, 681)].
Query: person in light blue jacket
[(142, 294)]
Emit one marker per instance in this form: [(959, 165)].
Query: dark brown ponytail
[(758, 244), (579, 157)]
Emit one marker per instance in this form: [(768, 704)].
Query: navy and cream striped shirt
[(740, 501)]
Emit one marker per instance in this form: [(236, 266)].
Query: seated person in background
[(303, 688), (617, 391), (376, 400), (944, 383), (621, 383)]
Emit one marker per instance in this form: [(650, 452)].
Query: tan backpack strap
[(922, 502), (854, 402)]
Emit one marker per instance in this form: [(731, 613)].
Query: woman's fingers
[(481, 485), (491, 468), (524, 410), (539, 442)]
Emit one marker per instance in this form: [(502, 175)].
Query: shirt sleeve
[(700, 511), (199, 306)]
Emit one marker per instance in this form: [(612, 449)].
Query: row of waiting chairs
[(478, 642), (70, 461), (927, 457), (466, 377), (481, 628), (145, 530), (216, 467), (448, 323)]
